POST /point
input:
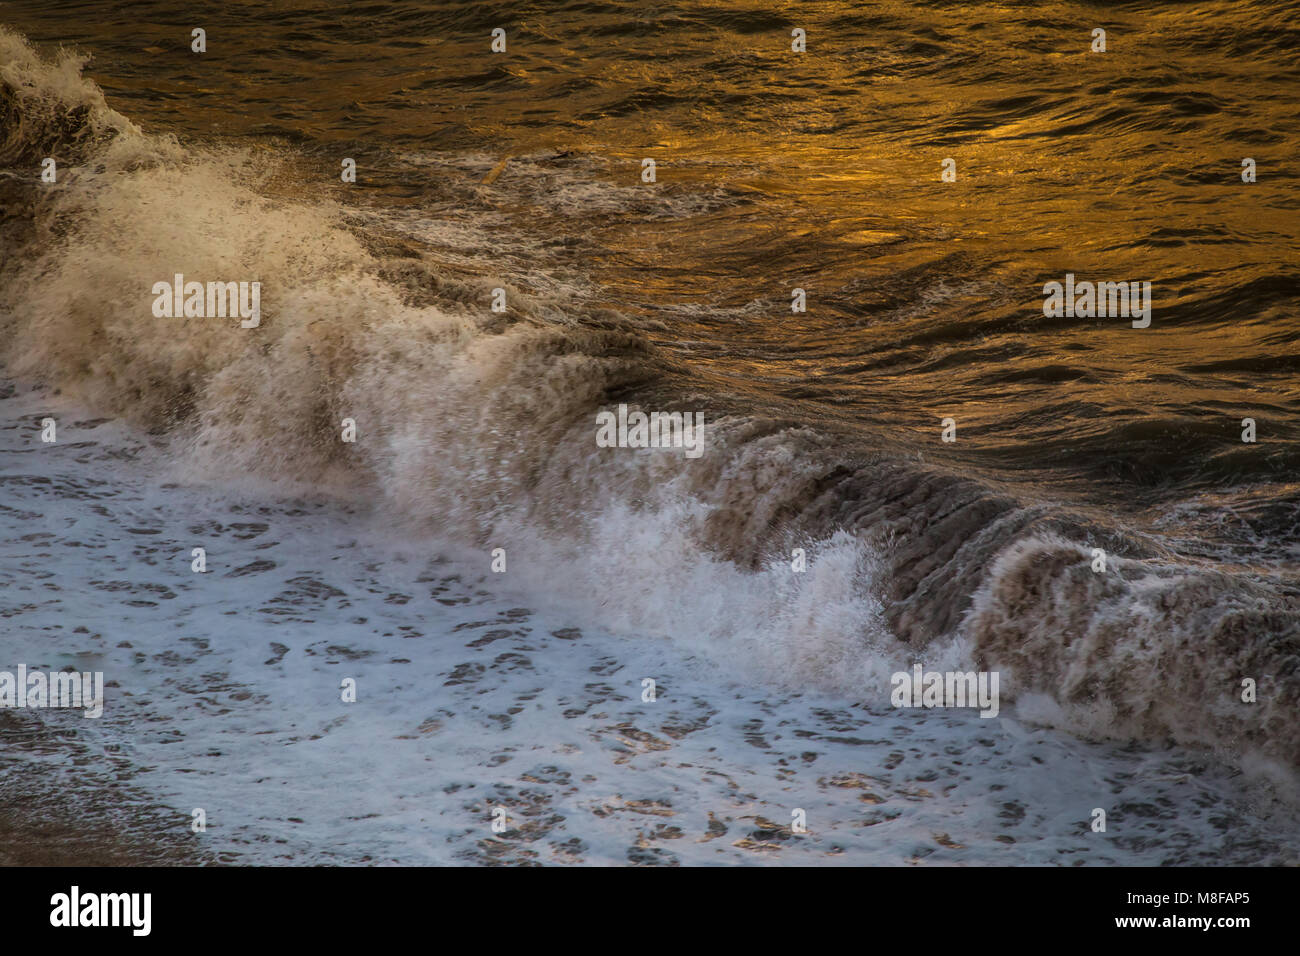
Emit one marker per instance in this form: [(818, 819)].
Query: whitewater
[(371, 561)]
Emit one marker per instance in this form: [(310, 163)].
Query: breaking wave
[(478, 427)]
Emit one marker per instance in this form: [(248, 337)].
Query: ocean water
[(372, 560)]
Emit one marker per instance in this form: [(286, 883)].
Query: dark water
[(775, 171)]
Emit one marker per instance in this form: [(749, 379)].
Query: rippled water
[(822, 171)]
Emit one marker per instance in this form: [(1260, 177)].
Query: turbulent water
[(775, 171)]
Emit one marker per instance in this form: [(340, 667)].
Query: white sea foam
[(477, 691)]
